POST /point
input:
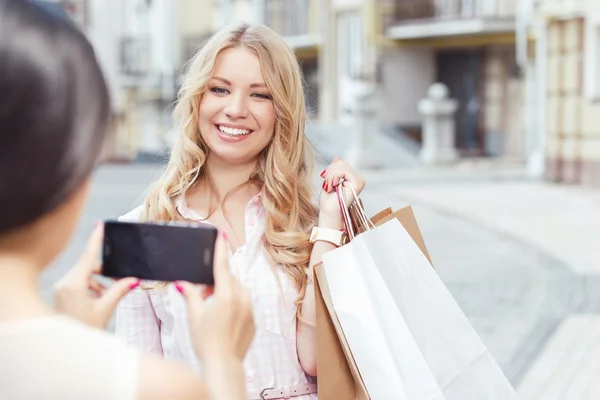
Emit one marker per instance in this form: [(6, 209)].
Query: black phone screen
[(159, 252)]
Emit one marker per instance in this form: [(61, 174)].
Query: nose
[(237, 108)]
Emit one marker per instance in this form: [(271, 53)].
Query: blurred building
[(407, 45), (526, 73), (567, 73)]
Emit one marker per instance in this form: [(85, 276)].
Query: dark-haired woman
[(54, 114)]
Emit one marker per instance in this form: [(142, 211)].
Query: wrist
[(222, 362), (224, 377), (330, 221)]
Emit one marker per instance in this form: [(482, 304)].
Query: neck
[(226, 177), (19, 294)]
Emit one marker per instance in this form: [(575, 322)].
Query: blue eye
[(219, 90), (262, 96)]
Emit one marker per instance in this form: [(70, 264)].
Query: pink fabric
[(155, 320)]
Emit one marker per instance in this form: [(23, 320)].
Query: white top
[(56, 357), (155, 320)]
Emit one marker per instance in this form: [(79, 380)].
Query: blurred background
[(483, 115)]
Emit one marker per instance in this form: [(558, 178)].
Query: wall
[(196, 17), (573, 120), (406, 74)]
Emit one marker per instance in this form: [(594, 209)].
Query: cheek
[(266, 118), (206, 110)]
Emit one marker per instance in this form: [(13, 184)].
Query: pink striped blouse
[(155, 320)]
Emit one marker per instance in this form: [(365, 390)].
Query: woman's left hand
[(330, 213), (80, 296)]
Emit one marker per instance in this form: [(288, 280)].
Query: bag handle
[(345, 213), (347, 218)]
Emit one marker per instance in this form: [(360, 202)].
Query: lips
[(232, 134), (233, 131)]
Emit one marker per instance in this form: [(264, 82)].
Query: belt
[(285, 392)]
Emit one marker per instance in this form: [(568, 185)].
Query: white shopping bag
[(386, 355), (395, 276)]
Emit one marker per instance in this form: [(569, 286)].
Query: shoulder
[(77, 334), (133, 215), (104, 364)]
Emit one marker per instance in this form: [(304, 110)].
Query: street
[(514, 294)]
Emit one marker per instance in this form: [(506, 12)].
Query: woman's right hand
[(225, 328)]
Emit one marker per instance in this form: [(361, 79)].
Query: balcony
[(422, 19), (295, 20)]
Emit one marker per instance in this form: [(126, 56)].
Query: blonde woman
[(242, 163)]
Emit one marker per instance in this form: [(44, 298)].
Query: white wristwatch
[(332, 236)]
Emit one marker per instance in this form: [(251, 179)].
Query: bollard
[(438, 110)]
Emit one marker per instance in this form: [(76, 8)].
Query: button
[(249, 379), (251, 222)]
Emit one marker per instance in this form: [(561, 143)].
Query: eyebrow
[(225, 81)]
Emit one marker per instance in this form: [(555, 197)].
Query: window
[(592, 58)]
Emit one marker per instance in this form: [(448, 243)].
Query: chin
[(235, 154), (234, 157)]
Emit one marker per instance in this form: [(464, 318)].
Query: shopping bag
[(339, 377), (461, 363), (384, 351)]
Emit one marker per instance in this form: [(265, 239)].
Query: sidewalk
[(559, 220)]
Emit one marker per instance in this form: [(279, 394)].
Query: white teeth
[(233, 131)]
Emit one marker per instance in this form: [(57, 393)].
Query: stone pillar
[(437, 111)]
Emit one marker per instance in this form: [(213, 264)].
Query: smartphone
[(159, 252)]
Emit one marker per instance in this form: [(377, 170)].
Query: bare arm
[(306, 335), (329, 218)]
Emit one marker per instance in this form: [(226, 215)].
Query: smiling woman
[(237, 108), (242, 163)]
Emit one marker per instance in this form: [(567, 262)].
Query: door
[(461, 72)]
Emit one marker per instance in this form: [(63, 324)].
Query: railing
[(288, 17), (408, 10)]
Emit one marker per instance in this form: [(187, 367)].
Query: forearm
[(307, 332), (224, 378)]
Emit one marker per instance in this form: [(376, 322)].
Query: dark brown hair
[(54, 111)]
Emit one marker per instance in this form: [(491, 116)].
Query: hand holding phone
[(159, 252), (79, 295)]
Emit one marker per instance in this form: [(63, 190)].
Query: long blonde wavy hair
[(284, 166)]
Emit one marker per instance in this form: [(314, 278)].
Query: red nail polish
[(224, 235), (134, 285), (323, 173), (323, 185), (179, 287), (327, 187)]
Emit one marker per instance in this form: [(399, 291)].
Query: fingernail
[(323, 185), (323, 173), (224, 235), (327, 188), (179, 287), (97, 225), (134, 285)]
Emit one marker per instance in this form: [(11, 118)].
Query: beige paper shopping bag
[(339, 378)]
